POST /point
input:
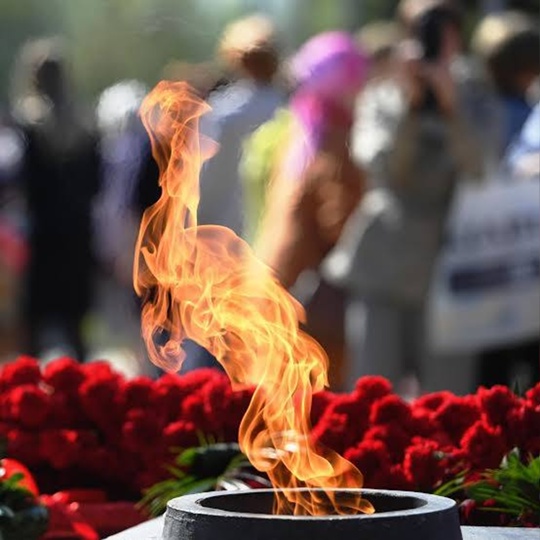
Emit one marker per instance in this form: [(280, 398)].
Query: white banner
[(486, 289)]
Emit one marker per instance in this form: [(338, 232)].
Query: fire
[(204, 283)]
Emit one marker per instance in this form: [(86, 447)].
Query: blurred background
[(72, 76)]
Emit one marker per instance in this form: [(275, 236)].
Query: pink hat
[(330, 62)]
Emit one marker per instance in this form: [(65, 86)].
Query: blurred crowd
[(339, 163)]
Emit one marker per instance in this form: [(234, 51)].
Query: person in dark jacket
[(60, 177)]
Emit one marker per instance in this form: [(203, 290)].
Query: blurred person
[(509, 44), (523, 156), (123, 143), (241, 100), (249, 52), (60, 177), (12, 241), (203, 77), (124, 149), (517, 363), (380, 40), (312, 184), (416, 135)]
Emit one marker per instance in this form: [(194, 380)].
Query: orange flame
[(205, 284)]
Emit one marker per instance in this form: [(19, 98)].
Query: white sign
[(486, 289)]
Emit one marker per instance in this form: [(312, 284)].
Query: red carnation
[(395, 439), (196, 379), (434, 401), (138, 393), (4, 430), (99, 369), (25, 370), (65, 411), (422, 464), (28, 405), (180, 435), (424, 424), (140, 429), (23, 446), (397, 479), (484, 445), (100, 398), (168, 396), (533, 395), (321, 400), (372, 387), (372, 459), (497, 403), (354, 412), (238, 405), (64, 375), (457, 415), (330, 431), (59, 447), (193, 411), (217, 396), (528, 420), (391, 410)]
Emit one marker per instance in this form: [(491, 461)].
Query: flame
[(204, 283)]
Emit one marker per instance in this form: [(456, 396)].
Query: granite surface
[(151, 530)]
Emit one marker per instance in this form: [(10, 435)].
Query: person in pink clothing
[(316, 185)]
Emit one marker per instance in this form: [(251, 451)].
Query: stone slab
[(151, 530)]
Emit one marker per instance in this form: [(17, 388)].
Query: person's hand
[(409, 73)]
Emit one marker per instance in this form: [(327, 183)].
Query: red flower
[(193, 411), (330, 431), (371, 388), (391, 410), (140, 428), (23, 446), (395, 439), (434, 401), (25, 370), (397, 479), (457, 415), (100, 398), (238, 405), (168, 396), (484, 445), (194, 380), (180, 435), (354, 415), (28, 405), (528, 429), (422, 464), (64, 375), (65, 411), (533, 395), (217, 396), (372, 459), (497, 403), (60, 447), (98, 369), (321, 401), (139, 393)]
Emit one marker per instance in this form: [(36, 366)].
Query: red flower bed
[(87, 426)]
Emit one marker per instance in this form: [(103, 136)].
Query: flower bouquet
[(86, 426)]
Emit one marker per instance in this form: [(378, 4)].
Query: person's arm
[(463, 142), (385, 139)]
